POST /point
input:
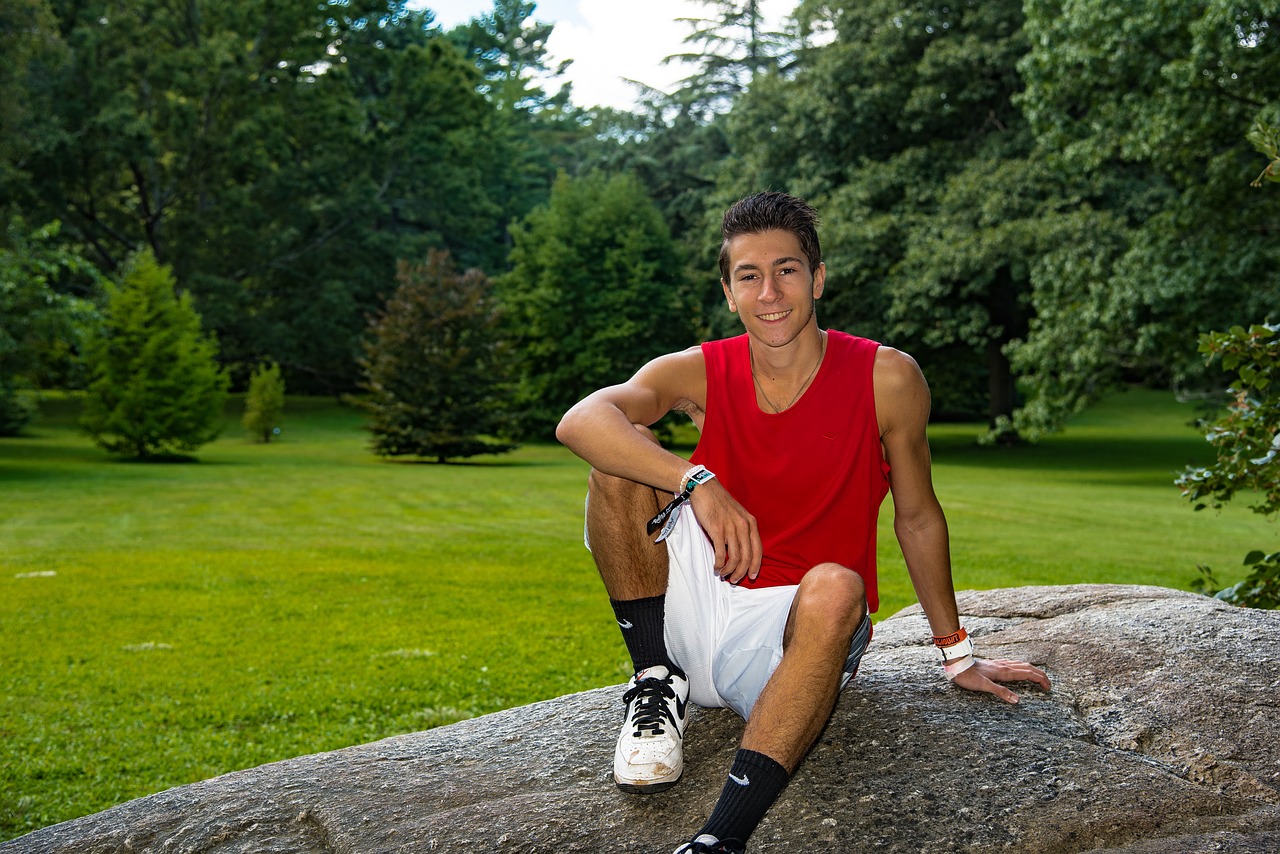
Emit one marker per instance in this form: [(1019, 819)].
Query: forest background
[(1040, 200)]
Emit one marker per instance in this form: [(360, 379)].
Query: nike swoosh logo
[(680, 707), (626, 624), (744, 780)]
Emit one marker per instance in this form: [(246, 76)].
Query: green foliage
[(510, 50), (1246, 440), (596, 289), (1259, 589), (730, 47), (42, 324), (1143, 108), (156, 388), (1266, 141), (904, 133), (435, 367), (280, 159), (1246, 437), (264, 403)]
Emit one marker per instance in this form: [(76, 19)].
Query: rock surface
[(1161, 735)]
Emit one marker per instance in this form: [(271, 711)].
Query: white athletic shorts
[(726, 638)]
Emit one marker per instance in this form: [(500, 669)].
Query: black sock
[(754, 783), (642, 621)]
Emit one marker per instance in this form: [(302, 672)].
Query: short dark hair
[(771, 211)]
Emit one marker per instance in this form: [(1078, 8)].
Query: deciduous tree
[(42, 320), (264, 403), (1145, 108)]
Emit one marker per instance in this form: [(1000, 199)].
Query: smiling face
[(771, 286)]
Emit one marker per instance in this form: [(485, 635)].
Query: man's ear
[(819, 279), (728, 297)]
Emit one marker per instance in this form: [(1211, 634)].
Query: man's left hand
[(987, 674)]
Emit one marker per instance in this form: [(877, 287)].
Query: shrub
[(264, 403), (156, 387), (1246, 438)]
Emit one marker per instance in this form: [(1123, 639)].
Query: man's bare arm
[(603, 429), (902, 406)]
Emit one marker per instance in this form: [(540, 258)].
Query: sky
[(609, 40)]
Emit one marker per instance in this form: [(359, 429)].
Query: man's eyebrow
[(785, 259)]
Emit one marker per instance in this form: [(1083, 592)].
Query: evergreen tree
[(730, 48), (157, 389), (264, 402), (596, 289), (435, 367)]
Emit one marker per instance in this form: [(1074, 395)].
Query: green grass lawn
[(164, 623)]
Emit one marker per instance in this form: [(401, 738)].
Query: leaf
[(1255, 556)]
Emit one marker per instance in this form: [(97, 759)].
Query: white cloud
[(610, 40), (613, 45)]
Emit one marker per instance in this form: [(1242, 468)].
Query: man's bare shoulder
[(896, 371), (900, 389)]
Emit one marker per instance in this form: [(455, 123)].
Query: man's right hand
[(731, 529)]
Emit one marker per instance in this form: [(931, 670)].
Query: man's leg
[(793, 707), (649, 755)]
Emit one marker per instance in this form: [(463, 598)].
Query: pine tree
[(156, 388), (435, 367), (264, 402)]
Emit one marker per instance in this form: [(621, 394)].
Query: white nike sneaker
[(708, 844), (650, 753)]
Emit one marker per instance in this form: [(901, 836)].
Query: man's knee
[(833, 597), (611, 493)]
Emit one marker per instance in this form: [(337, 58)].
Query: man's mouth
[(777, 315)]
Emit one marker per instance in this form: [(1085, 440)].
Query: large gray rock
[(1160, 735)]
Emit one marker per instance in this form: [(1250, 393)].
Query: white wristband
[(958, 666), (956, 651), (693, 477)]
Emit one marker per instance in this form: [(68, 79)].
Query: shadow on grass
[(1112, 454), (496, 463)]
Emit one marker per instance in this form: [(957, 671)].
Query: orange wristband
[(951, 639)]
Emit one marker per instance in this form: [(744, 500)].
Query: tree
[(279, 158), (904, 131), (264, 402), (435, 367), (156, 387), (33, 52), (42, 320), (529, 133), (1144, 109), (510, 50), (1246, 439), (596, 289), (675, 154), (730, 48)]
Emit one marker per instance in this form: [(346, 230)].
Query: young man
[(756, 595)]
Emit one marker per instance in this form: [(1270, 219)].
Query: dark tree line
[(1039, 199)]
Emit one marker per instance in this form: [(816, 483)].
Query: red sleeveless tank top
[(814, 475)]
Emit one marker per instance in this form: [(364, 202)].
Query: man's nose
[(769, 289)]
